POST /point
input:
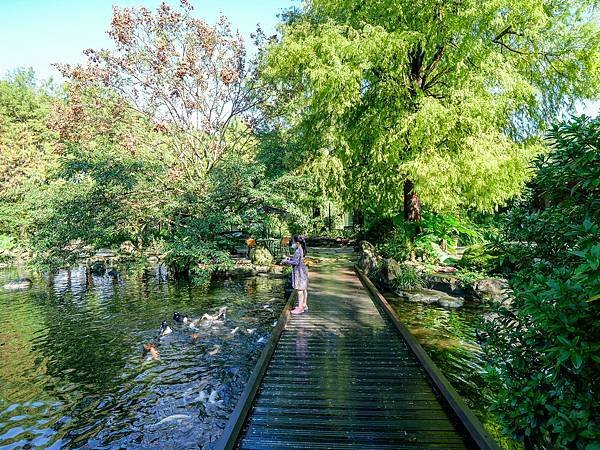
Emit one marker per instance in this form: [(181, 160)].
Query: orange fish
[(153, 352)]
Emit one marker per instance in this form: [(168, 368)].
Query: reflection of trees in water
[(449, 338), (83, 345), (77, 339), (21, 364)]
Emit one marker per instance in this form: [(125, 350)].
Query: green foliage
[(467, 277), (6, 242), (449, 96), (396, 239), (25, 153), (199, 260), (408, 278), (543, 352), (262, 256), (391, 240), (478, 257), (452, 229)]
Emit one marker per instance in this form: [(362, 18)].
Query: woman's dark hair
[(300, 240)]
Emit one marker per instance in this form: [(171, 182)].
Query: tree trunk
[(412, 204)]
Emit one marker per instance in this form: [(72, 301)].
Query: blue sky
[(36, 33)]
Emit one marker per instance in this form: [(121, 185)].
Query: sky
[(37, 33)]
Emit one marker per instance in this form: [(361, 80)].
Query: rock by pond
[(98, 268), (491, 288), (261, 256), (389, 271), (18, 284), (368, 259), (105, 253), (430, 296)]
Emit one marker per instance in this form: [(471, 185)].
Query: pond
[(73, 372), (449, 338)]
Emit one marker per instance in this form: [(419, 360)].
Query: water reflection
[(449, 337), (73, 372)]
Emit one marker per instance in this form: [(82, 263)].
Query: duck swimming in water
[(181, 318), (208, 319), (165, 329), (195, 336)]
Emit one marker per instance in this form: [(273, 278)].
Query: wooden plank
[(466, 417)]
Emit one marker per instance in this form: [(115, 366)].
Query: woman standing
[(299, 273)]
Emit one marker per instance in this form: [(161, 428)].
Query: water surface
[(449, 336), (73, 372)]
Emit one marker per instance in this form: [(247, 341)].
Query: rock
[(491, 288), (18, 284), (389, 271), (448, 301), (105, 253), (444, 282), (98, 268), (368, 260), (445, 269), (127, 247), (262, 269), (261, 256), (426, 296), (241, 272), (431, 296), (274, 269)]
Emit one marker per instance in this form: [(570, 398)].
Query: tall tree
[(434, 101)]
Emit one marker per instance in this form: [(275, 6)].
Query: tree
[(190, 78), (432, 101), (544, 349), (25, 149)]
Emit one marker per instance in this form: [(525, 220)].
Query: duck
[(195, 336), (165, 329), (181, 318), (210, 319)]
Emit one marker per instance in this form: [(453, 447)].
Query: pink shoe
[(297, 310)]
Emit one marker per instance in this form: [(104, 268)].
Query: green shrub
[(544, 353), (477, 257), (6, 242), (396, 244), (408, 278), (261, 256), (452, 229), (196, 259)]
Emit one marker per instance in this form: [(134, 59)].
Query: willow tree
[(434, 101)]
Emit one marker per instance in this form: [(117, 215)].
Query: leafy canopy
[(448, 95)]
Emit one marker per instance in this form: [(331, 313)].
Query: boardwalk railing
[(467, 419)]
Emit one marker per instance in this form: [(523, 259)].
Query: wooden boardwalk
[(342, 377)]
